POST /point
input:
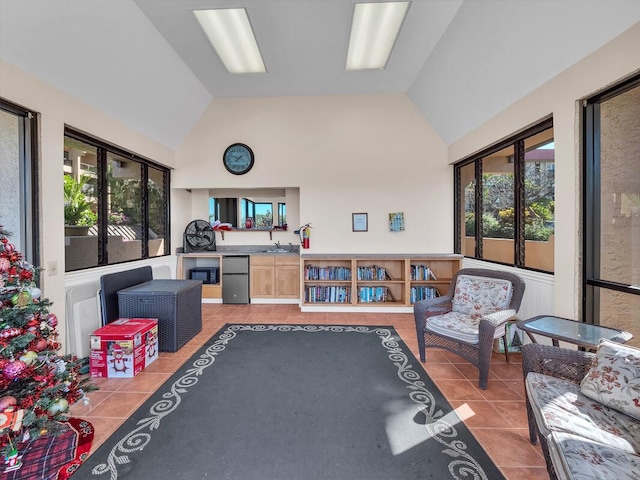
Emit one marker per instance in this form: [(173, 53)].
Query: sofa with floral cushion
[(585, 409)]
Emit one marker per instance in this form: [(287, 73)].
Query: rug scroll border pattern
[(462, 464)]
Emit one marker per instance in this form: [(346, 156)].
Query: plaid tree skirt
[(53, 457)]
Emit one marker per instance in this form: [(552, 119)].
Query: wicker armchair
[(453, 322)]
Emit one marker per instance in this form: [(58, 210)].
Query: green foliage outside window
[(78, 209), (497, 221)]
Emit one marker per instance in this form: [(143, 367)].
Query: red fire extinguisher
[(305, 235)]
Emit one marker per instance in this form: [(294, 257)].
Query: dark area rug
[(291, 402)]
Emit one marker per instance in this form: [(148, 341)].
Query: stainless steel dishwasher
[(235, 279)]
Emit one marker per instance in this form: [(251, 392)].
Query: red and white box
[(124, 347)]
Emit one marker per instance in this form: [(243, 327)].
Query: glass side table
[(578, 333)]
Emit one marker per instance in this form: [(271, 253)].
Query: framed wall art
[(359, 222)]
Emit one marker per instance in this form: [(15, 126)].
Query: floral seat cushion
[(455, 324), (559, 406), (479, 296), (577, 458)]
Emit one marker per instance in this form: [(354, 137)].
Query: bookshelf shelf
[(359, 281)]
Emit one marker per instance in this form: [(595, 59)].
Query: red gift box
[(124, 347)]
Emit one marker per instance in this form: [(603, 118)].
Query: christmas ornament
[(12, 460), (21, 299), (29, 358), (4, 264), (12, 370), (59, 405), (52, 320), (40, 344), (11, 418), (6, 402), (61, 364), (10, 332), (35, 292)]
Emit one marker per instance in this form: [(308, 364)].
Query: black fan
[(199, 236)]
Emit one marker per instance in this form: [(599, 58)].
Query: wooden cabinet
[(275, 276), (262, 277), (375, 280), (187, 261), (287, 274)]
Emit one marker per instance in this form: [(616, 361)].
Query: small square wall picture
[(396, 222)]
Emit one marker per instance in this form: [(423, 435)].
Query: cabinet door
[(287, 281), (262, 277)]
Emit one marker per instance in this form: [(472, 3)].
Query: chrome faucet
[(277, 244), (290, 247)]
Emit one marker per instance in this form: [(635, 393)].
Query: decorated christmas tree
[(37, 385)]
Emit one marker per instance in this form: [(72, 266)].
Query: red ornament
[(52, 320), (10, 332), (12, 370), (6, 402), (39, 344)]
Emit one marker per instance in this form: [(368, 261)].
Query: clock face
[(238, 158)]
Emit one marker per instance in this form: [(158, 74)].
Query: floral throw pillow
[(614, 378)]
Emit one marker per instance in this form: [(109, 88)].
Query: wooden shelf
[(187, 261), (374, 280), (253, 230)]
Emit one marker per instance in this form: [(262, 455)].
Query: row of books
[(333, 294), (373, 273), (422, 293), (375, 294), (327, 273), (422, 272)]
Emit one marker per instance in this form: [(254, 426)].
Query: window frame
[(591, 178), (102, 149), (518, 142), (29, 179)]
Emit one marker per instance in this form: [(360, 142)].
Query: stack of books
[(375, 295), (373, 273), (327, 294), (422, 293), (421, 273), (312, 272)]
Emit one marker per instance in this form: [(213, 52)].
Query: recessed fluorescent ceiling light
[(374, 30), (230, 33)]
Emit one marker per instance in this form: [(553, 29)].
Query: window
[(18, 170), (264, 215), (115, 204), (282, 214), (612, 208), (504, 205)]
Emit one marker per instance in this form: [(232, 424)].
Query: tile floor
[(496, 416)]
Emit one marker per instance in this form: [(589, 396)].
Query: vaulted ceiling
[(148, 64)]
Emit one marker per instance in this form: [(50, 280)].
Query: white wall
[(57, 109), (561, 97), (371, 153)]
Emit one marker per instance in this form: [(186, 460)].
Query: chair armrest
[(558, 362), (498, 318), (429, 308)]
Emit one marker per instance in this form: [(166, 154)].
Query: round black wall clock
[(238, 158)]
